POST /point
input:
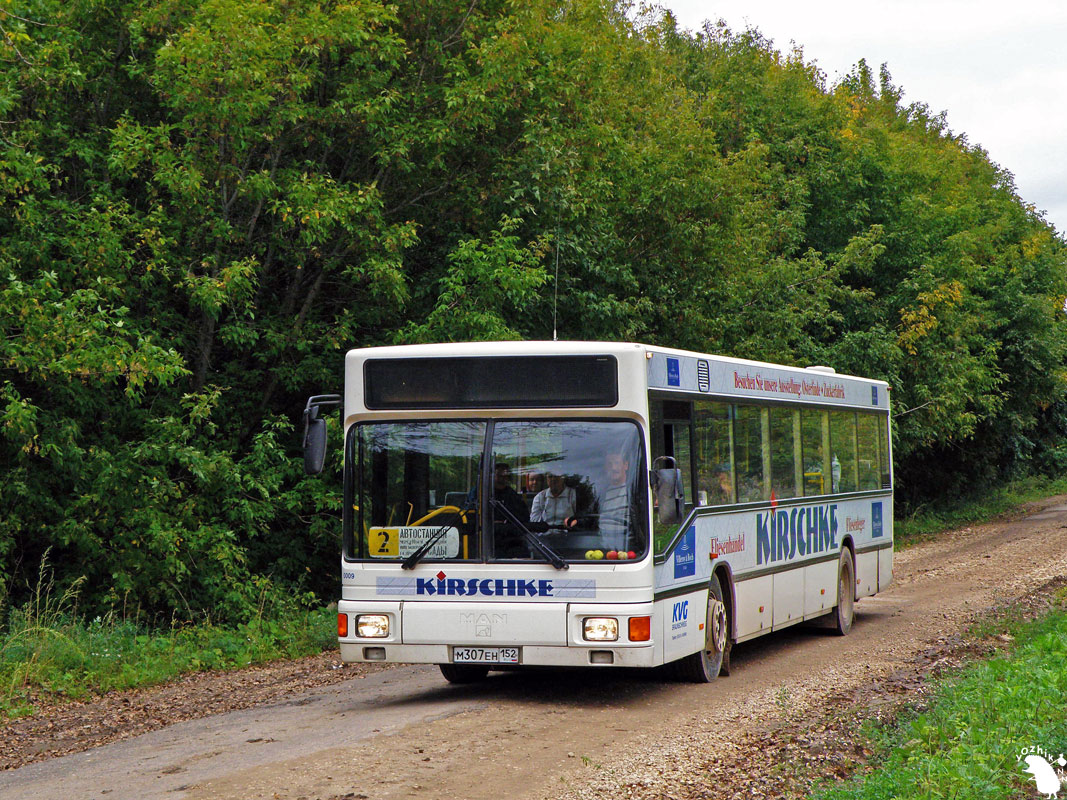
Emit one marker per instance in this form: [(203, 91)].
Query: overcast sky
[(997, 67)]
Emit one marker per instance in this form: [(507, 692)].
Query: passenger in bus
[(721, 491), (615, 503), (509, 540), (613, 509), (535, 483), (554, 505)]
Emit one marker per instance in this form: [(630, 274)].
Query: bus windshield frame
[(578, 484)]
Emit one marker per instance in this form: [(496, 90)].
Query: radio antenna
[(555, 285)]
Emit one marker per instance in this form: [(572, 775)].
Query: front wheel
[(463, 673), (844, 614), (706, 665)]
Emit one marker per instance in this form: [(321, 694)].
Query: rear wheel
[(846, 593), (705, 666), (463, 673)]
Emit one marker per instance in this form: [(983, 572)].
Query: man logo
[(483, 623)]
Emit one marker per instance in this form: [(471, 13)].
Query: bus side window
[(680, 433), (844, 464), (677, 441), (655, 429), (714, 453), (815, 444), (786, 467), (749, 442), (867, 435), (883, 453), (671, 432)]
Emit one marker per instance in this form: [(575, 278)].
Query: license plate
[(485, 655)]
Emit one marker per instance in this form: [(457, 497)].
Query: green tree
[(204, 203)]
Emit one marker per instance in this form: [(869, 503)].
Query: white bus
[(600, 504)]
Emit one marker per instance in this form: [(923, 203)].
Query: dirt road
[(404, 732)]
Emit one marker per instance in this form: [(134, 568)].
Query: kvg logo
[(680, 615)]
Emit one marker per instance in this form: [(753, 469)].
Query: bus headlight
[(372, 626), (600, 629)]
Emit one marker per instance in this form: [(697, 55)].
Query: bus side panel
[(754, 606), (885, 567), (684, 620), (820, 588), (866, 573), (788, 597), (791, 550)]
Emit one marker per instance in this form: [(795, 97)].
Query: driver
[(555, 504)]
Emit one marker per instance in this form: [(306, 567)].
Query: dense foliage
[(203, 203)]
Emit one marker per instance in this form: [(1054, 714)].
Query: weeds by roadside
[(47, 650), (968, 738)]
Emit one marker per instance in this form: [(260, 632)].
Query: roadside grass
[(927, 521), (48, 652), (969, 740)]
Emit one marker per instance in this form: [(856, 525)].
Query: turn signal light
[(640, 629), (342, 626)]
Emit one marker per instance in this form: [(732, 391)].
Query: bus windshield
[(579, 486)]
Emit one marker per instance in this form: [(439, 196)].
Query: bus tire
[(706, 665), (464, 673), (844, 613)]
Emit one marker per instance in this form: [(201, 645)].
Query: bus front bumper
[(529, 655), (532, 634)]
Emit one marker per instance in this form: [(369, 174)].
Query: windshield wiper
[(424, 548), (550, 555)]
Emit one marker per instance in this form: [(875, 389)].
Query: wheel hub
[(716, 626)]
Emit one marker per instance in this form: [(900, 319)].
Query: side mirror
[(666, 480), (315, 431)]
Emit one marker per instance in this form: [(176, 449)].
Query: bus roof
[(674, 370)]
